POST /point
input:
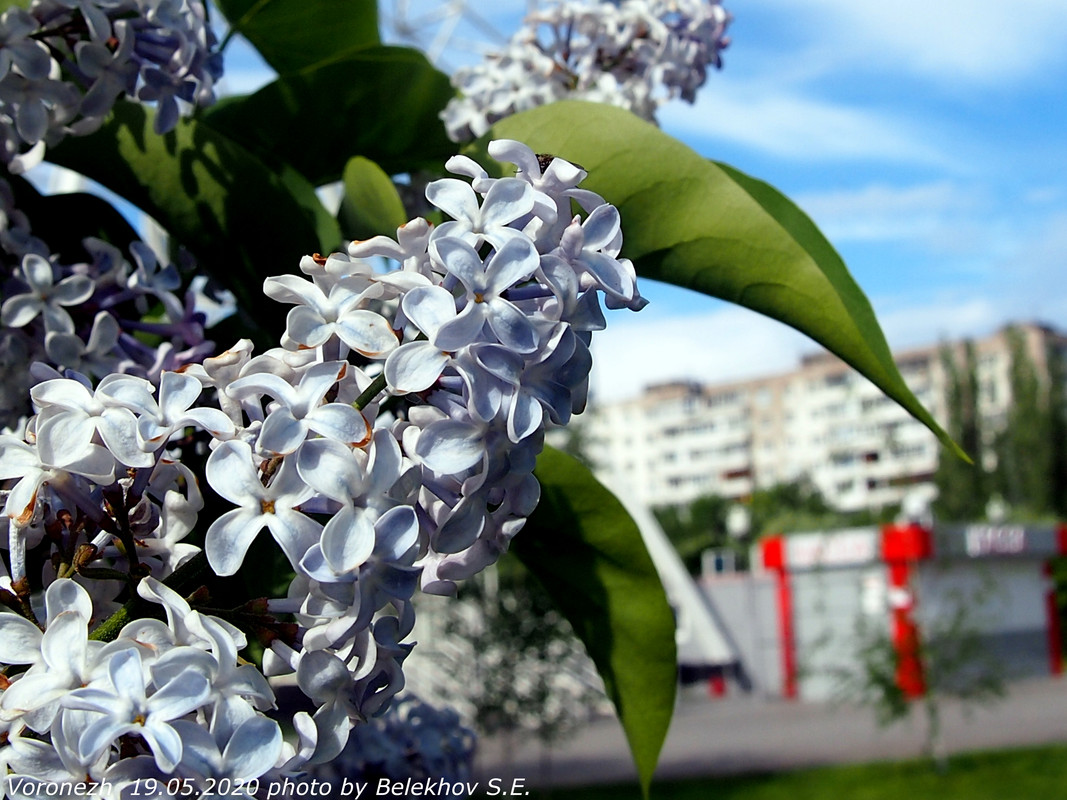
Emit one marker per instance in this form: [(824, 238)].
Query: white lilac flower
[(155, 52), (300, 410), (411, 740), (71, 416), (36, 767), (45, 297), (60, 659), (426, 481), (228, 678), (183, 623), (22, 462), (18, 49), (507, 200), (414, 366), (94, 356), (326, 680), (58, 324), (174, 411), (222, 370), (232, 472), (123, 705), (67, 662), (485, 284), (636, 54), (409, 248), (320, 316), (591, 246), (246, 753), (110, 69)]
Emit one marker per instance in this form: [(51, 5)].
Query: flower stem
[(372, 391), (182, 577)]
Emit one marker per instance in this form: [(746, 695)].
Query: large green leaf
[(293, 34), (241, 220), (371, 204), (711, 228), (381, 103), (588, 553)]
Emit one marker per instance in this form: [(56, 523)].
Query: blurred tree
[(1031, 451), (782, 508), (528, 673), (1057, 404), (694, 528), (575, 442), (963, 489), (956, 664)]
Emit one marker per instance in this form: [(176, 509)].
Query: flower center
[(266, 506), (479, 297)]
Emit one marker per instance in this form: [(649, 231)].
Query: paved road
[(750, 734)]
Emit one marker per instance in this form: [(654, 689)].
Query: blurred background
[(860, 614), (846, 591)]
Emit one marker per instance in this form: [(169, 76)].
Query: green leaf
[(708, 227), (241, 220), (371, 204), (381, 103), (293, 34), (589, 555)]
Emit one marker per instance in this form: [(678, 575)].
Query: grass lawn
[(1024, 774)]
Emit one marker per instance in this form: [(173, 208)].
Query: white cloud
[(982, 41), (929, 321), (1032, 281), (731, 343), (938, 214), (759, 115)]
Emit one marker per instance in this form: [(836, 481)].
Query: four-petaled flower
[(45, 297), (123, 705), (231, 470)]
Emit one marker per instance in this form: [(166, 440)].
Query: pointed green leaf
[(371, 204), (381, 103), (293, 34), (241, 220), (589, 555), (707, 227)]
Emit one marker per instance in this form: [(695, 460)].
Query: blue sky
[(927, 139)]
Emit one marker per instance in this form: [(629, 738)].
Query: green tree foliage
[(694, 528), (529, 673), (963, 488), (783, 508), (794, 506), (1032, 448), (956, 665), (1057, 404)]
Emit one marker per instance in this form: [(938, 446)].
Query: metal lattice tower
[(447, 31)]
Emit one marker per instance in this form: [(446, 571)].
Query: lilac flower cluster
[(89, 316), (412, 740), (636, 54), (389, 441), (64, 63)]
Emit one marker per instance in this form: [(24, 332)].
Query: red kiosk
[(903, 580)]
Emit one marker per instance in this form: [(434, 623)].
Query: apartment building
[(823, 421)]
